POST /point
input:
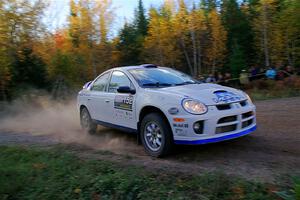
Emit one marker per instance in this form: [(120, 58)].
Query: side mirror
[(87, 85), (126, 89)]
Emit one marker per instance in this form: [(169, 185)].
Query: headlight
[(194, 106), (248, 98)]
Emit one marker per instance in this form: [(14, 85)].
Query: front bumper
[(218, 125), (217, 139)]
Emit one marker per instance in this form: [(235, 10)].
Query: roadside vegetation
[(270, 89), (29, 173)]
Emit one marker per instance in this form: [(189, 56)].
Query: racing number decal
[(123, 102)]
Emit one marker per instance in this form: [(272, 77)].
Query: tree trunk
[(265, 38), (195, 70), (3, 95), (287, 48), (186, 55), (161, 57), (214, 66), (199, 57), (93, 62)]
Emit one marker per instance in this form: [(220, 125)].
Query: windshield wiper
[(186, 83), (157, 84)]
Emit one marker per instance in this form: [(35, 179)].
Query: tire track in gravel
[(271, 151)]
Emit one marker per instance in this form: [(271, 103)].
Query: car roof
[(143, 66)]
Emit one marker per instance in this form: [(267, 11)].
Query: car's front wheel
[(86, 121), (156, 135)]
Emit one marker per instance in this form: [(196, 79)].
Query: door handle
[(89, 99), (107, 101)]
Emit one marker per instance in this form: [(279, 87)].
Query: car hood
[(210, 94)]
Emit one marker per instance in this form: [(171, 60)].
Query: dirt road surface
[(265, 155)]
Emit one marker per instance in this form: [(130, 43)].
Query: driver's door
[(124, 104)]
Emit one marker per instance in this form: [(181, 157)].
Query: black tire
[(86, 121), (158, 127)]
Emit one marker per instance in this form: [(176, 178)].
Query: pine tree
[(236, 61), (127, 46), (141, 20), (132, 37), (239, 33)]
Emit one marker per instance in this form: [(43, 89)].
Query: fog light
[(198, 127)]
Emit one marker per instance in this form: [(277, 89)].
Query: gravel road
[(270, 152)]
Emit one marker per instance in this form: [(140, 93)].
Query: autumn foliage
[(196, 37)]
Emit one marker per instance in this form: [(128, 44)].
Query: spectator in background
[(290, 70), (227, 79), (281, 73), (253, 73), (271, 73), (201, 78), (244, 79), (210, 79), (220, 78)]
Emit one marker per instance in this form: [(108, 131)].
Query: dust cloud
[(40, 115)]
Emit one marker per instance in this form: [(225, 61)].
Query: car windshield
[(161, 77)]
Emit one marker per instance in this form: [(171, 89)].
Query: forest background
[(197, 37)]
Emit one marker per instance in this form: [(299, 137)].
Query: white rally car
[(165, 107)]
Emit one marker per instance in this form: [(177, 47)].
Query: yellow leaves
[(238, 193), (105, 13), (273, 32), (77, 190), (218, 37), (39, 165), (197, 21), (177, 34), (160, 45), (180, 21)]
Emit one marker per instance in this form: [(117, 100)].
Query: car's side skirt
[(217, 139), (110, 125)]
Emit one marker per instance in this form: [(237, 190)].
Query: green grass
[(27, 173)]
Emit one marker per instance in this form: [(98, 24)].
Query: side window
[(101, 82), (118, 79)]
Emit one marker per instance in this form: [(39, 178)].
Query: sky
[(56, 14)]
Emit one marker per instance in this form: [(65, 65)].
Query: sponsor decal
[(173, 111), (226, 97), (180, 132), (123, 114), (181, 125), (123, 102)]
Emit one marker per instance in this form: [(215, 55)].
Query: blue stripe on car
[(218, 139), (110, 125)]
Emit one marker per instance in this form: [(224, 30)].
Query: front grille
[(227, 119), (223, 107), (243, 103), (247, 123), (225, 129), (247, 114)]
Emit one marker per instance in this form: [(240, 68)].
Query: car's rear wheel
[(156, 135), (86, 121)]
